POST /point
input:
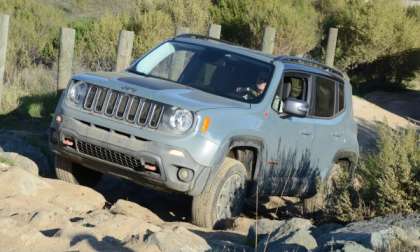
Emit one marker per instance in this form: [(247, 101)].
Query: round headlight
[(77, 92), (181, 120)]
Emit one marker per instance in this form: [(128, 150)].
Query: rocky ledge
[(41, 214)]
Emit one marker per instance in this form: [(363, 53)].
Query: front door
[(290, 168)]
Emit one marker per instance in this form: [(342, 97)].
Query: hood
[(164, 91)]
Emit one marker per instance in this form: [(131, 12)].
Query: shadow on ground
[(405, 104)]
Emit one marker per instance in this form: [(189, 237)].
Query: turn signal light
[(206, 124)]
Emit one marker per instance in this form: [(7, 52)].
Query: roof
[(290, 60)]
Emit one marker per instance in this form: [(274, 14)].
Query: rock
[(10, 142), (177, 239), (278, 229), (132, 209), (263, 228), (74, 198), (21, 162), (14, 237), (344, 246), (378, 233), (280, 246), (24, 183), (242, 225), (295, 231)]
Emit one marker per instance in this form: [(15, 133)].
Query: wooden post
[(332, 43), (268, 40), (178, 59), (65, 58), (215, 31), (125, 48), (4, 31), (182, 30)]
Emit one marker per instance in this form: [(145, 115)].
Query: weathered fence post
[(125, 48), (181, 30), (332, 43), (268, 40), (178, 59), (215, 31), (4, 30), (65, 58)]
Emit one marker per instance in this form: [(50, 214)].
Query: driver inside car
[(256, 90)]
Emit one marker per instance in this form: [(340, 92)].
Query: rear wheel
[(75, 173), (223, 198), (326, 192)]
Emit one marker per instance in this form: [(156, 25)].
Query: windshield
[(209, 69)]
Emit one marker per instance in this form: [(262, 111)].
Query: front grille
[(109, 155), (118, 105)]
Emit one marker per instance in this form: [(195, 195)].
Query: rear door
[(327, 115)]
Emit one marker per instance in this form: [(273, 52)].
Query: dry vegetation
[(378, 43)]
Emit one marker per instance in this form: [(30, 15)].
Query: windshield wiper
[(137, 72)]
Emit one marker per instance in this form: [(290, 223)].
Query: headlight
[(181, 120), (77, 92)]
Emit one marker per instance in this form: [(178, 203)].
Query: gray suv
[(211, 120)]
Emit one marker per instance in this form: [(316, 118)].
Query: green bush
[(155, 21), (387, 182), (33, 33), (243, 21), (369, 30), (97, 40)]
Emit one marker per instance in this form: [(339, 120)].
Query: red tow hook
[(68, 142)]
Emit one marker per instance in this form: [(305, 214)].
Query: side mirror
[(295, 107)]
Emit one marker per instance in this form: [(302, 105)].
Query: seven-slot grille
[(109, 155), (133, 109)]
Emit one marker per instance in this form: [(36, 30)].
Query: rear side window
[(340, 97), (324, 100)]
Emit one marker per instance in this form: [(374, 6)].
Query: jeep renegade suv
[(211, 120)]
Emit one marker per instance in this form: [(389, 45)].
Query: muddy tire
[(75, 173), (223, 197), (327, 189)]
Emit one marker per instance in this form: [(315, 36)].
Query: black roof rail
[(199, 36), (308, 62)]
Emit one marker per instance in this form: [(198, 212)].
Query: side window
[(293, 86), (324, 97), (340, 97)]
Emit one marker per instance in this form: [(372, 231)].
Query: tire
[(327, 189), (75, 173), (223, 198)]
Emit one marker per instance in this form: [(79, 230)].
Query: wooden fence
[(125, 47)]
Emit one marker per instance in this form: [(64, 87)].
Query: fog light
[(185, 174)]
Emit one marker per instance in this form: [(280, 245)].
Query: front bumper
[(116, 153)]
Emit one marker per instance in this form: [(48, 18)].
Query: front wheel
[(75, 173), (223, 198)]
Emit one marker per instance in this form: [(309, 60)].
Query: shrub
[(243, 21), (389, 181), (33, 33), (97, 40), (369, 29), (155, 21)]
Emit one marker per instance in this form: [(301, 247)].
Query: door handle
[(306, 133), (337, 135)]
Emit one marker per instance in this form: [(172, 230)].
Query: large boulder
[(132, 209), (377, 234), (14, 159), (293, 234), (11, 142), (177, 239), (263, 228), (19, 182)]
